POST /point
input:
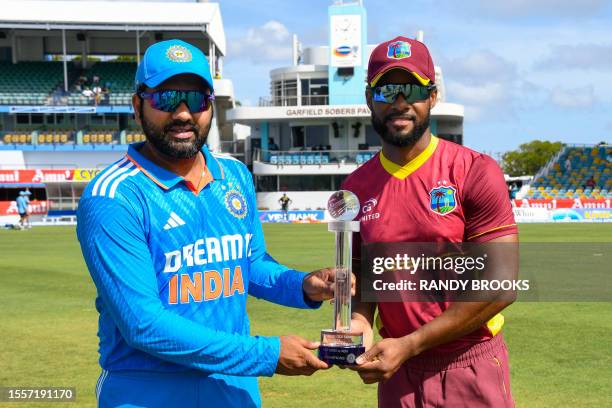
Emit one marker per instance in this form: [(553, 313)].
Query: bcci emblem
[(178, 53), (398, 50), (443, 199), (235, 204)]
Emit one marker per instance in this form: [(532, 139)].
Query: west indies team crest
[(443, 199), (398, 50), (236, 204)]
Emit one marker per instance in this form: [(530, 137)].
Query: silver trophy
[(339, 345)]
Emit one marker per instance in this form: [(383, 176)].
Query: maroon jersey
[(448, 193)]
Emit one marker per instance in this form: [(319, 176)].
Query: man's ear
[(136, 101), (368, 96), (433, 98)]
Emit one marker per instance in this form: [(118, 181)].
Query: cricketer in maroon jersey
[(433, 353)]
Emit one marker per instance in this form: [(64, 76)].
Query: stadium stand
[(40, 82), (99, 137), (585, 163), (54, 137), (132, 136), (17, 137), (115, 78), (29, 83)]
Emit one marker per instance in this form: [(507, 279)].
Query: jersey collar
[(163, 177), (401, 172)]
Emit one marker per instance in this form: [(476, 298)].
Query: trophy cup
[(339, 345)]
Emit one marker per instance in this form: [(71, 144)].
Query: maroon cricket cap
[(404, 53)]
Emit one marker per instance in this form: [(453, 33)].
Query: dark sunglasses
[(169, 100), (412, 92)]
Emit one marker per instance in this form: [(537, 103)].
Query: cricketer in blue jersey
[(172, 239)]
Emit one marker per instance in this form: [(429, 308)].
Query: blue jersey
[(22, 204), (173, 269)]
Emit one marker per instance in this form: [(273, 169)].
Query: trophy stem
[(342, 294)]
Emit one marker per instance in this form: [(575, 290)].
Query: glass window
[(317, 136), (338, 180), (22, 119), (372, 137), (305, 87), (305, 183), (267, 183)]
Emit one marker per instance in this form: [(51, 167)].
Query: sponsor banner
[(581, 215), (306, 216), (552, 204), (34, 208), (531, 214), (36, 176), (85, 174)]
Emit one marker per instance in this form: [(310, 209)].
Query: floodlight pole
[(65, 60)]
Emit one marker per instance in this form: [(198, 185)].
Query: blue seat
[(274, 159)]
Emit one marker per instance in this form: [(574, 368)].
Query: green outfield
[(560, 352)]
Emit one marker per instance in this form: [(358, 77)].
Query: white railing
[(313, 157), (543, 172)]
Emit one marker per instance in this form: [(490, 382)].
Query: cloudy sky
[(523, 69)]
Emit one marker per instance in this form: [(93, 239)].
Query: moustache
[(182, 126), (400, 116)]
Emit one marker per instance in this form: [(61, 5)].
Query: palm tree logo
[(443, 200)]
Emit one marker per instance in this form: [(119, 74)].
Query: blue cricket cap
[(166, 59)]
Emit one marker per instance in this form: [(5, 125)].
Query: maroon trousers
[(476, 377)]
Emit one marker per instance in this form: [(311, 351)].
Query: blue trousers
[(189, 389)]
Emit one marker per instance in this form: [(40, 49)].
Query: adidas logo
[(174, 221)]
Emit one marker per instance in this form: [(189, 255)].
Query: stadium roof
[(115, 16)]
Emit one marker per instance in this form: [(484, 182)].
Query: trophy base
[(340, 354), (340, 348)]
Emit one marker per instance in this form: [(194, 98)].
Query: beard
[(399, 139), (164, 143)]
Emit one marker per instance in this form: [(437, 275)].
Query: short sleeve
[(486, 204)]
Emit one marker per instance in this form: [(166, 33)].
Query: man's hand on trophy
[(296, 357), (319, 285), (362, 326), (383, 359)]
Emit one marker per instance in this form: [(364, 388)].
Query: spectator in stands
[(97, 90), (272, 146), (568, 165), (57, 95), (513, 190), (590, 183), (105, 95), (95, 80), (88, 92)]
